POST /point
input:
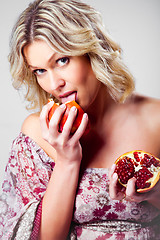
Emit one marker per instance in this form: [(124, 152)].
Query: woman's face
[(66, 78)]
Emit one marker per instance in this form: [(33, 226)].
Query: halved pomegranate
[(77, 121), (139, 164)]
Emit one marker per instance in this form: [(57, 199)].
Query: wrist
[(66, 166)]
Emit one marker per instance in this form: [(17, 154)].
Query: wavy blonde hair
[(72, 28)]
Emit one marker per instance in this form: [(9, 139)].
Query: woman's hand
[(66, 145), (118, 192)]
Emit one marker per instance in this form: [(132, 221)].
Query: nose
[(56, 80)]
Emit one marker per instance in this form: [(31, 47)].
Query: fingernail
[(62, 106), (73, 108), (113, 166), (115, 175), (85, 115)]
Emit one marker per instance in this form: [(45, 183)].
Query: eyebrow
[(49, 60)]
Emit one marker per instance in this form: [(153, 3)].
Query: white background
[(134, 24)]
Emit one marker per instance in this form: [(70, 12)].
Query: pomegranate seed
[(142, 176), (146, 162), (136, 156), (156, 163), (125, 169), (147, 185)]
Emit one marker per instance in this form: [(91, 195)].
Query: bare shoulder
[(145, 102), (154, 110), (31, 127), (149, 109), (151, 106)]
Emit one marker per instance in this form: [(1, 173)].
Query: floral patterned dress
[(95, 217)]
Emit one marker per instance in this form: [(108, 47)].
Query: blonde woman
[(57, 185)]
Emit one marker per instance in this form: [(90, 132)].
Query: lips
[(68, 96)]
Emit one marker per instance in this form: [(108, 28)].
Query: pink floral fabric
[(26, 177)]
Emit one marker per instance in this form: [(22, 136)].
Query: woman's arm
[(58, 201)]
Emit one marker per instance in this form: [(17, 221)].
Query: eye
[(62, 61), (39, 72)]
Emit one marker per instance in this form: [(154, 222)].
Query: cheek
[(40, 83), (81, 74), (77, 76), (44, 85)]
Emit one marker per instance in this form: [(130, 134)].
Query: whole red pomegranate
[(139, 164), (77, 121)]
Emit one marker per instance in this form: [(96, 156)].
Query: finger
[(113, 186), (111, 172), (131, 187), (131, 193), (69, 122), (44, 116), (56, 118), (81, 129), (114, 190)]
